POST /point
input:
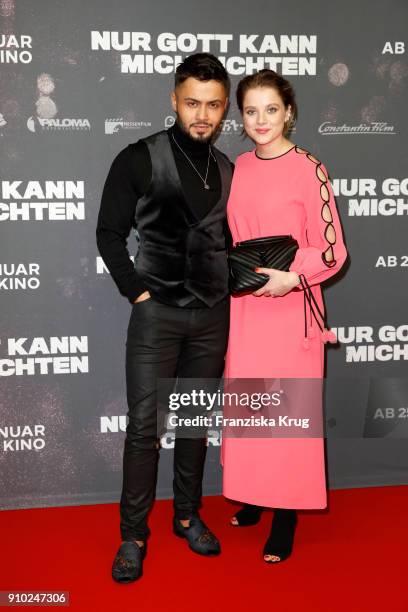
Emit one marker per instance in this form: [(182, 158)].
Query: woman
[(279, 189)]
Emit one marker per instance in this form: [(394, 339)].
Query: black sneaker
[(200, 539), (128, 563)]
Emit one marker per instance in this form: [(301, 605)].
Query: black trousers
[(165, 342)]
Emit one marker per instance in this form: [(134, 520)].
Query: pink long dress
[(288, 194)]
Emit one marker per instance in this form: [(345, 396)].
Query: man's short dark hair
[(203, 67)]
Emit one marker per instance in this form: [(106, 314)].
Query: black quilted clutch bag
[(270, 252)]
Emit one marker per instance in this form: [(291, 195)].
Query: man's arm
[(128, 179)]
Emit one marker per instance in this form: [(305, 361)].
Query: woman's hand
[(142, 297), (279, 282)]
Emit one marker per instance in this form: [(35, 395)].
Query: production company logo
[(39, 124), (382, 128), (114, 126)]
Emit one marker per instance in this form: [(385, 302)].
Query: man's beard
[(198, 137)]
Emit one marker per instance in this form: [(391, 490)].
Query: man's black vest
[(178, 256)]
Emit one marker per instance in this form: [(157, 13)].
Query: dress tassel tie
[(327, 334)]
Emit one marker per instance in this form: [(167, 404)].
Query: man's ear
[(173, 100)]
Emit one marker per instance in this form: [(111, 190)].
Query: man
[(173, 187)]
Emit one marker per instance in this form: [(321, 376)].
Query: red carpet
[(352, 558)]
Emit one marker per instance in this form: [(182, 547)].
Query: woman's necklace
[(206, 185)]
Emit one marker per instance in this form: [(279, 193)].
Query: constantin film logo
[(381, 128)]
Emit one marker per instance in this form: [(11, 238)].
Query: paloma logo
[(35, 124)]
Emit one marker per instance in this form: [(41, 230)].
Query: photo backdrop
[(81, 80)]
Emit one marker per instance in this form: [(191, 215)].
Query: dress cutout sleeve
[(326, 251)]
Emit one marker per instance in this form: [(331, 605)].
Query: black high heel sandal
[(247, 516), (280, 540)]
